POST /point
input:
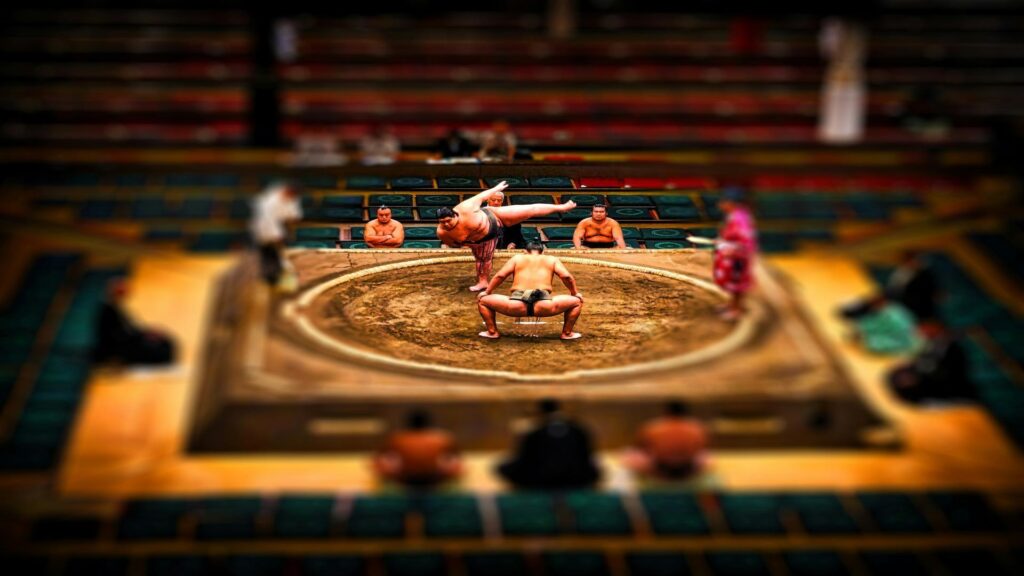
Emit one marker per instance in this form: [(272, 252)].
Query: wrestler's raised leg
[(512, 215), (569, 306), (493, 304)]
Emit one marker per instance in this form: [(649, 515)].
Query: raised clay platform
[(370, 334)]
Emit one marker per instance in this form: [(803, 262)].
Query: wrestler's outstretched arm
[(507, 270), (475, 202)]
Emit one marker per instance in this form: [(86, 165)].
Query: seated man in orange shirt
[(419, 455), (671, 446)]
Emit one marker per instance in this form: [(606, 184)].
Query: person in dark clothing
[(119, 339), (913, 284), (510, 237), (454, 145), (939, 371), (557, 454)]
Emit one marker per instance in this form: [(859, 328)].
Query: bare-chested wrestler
[(598, 231), (531, 292), (384, 232), (476, 226)]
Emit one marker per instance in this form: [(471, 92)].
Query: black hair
[(549, 406), (418, 420), (677, 408), (445, 212), (383, 207), (535, 246), (599, 205)]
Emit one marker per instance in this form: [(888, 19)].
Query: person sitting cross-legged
[(419, 455)]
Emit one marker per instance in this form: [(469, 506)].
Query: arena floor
[(370, 333), (131, 434)]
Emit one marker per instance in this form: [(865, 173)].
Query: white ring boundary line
[(743, 331)]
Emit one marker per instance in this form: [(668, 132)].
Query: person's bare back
[(533, 271), (531, 292)]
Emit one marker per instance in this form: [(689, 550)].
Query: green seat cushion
[(663, 233), (629, 213), (365, 182), (667, 244), (342, 200), (629, 200), (584, 199), (390, 200), (551, 182), (457, 182), (679, 213), (420, 232), (341, 214), (449, 200), (559, 232), (411, 182), (576, 214), (512, 181)]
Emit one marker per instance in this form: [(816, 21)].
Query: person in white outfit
[(273, 211), (844, 96)]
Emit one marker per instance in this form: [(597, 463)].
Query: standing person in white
[(844, 44), (273, 211)]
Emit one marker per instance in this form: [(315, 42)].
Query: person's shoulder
[(398, 223), (586, 221)]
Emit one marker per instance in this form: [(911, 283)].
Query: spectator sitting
[(598, 231), (119, 339), (938, 372), (383, 232), (419, 455), (454, 145), (671, 446), (379, 147), (501, 144), (887, 328), (912, 284), (557, 454)]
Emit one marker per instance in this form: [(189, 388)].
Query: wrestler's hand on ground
[(511, 246), (579, 295), (481, 294)]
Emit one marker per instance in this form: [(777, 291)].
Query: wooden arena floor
[(132, 427)]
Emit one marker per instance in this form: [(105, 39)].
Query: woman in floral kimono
[(735, 250)]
